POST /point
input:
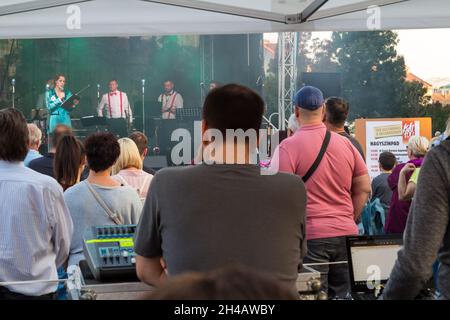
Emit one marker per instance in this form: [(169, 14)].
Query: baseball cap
[(309, 98)]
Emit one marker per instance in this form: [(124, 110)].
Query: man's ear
[(145, 153), (297, 112)]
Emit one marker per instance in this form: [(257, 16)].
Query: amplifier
[(109, 252)]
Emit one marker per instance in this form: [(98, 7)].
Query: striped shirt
[(35, 228)]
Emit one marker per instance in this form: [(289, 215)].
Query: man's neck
[(386, 171), (102, 178), (337, 129), (309, 122), (240, 155)]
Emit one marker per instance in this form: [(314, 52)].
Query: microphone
[(47, 87), (143, 82), (13, 83), (202, 84)]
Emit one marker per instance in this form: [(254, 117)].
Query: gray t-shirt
[(381, 190), (204, 217), (87, 212)]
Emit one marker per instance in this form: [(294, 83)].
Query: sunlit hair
[(418, 146), (129, 156), (34, 135)]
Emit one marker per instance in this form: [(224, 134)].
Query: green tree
[(373, 73)]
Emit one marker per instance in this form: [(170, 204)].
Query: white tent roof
[(48, 18)]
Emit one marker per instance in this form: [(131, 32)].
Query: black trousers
[(335, 277), (118, 127), (5, 294)]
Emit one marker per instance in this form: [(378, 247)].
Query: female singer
[(54, 99)]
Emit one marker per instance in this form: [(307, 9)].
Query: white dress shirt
[(169, 103), (35, 229), (117, 105)]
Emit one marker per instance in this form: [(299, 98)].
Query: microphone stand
[(98, 94), (143, 106), (13, 83), (202, 93)]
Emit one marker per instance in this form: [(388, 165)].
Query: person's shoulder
[(35, 163), (175, 172), (75, 190), (440, 152), (284, 180), (43, 180)]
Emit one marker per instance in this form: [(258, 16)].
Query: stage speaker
[(155, 162), (330, 83)]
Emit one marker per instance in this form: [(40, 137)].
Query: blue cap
[(309, 98)]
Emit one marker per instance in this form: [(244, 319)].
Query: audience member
[(441, 136), (45, 164), (69, 163), (128, 168), (398, 209), (34, 142), (35, 225), (338, 187), (380, 187), (142, 144), (292, 125), (202, 217), (230, 283), (336, 113), (99, 200), (426, 235)]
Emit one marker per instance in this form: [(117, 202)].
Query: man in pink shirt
[(337, 189)]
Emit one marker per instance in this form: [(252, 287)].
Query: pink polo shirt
[(329, 210)]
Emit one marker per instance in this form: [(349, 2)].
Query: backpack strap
[(315, 165)]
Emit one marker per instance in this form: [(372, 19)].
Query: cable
[(12, 283), (324, 263)]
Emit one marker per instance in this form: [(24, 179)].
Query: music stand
[(188, 113), (91, 121)]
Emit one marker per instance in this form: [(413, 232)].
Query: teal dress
[(57, 114)]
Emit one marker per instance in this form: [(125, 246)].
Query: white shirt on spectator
[(35, 229)]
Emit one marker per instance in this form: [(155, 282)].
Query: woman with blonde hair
[(400, 181), (128, 168)]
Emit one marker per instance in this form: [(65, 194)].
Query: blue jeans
[(334, 277)]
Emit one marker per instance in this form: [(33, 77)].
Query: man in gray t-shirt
[(204, 217)]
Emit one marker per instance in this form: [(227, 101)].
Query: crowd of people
[(204, 217)]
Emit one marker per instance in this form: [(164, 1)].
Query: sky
[(426, 52)]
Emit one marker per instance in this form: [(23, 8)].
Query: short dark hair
[(336, 111), (13, 135), (102, 150), (69, 157), (387, 160), (60, 131), (141, 141), (233, 106)]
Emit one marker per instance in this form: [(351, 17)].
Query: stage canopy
[(94, 18)]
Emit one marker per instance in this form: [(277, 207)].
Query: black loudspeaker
[(155, 162), (330, 83)]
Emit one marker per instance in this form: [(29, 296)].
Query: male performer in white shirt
[(118, 110), (170, 101)]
